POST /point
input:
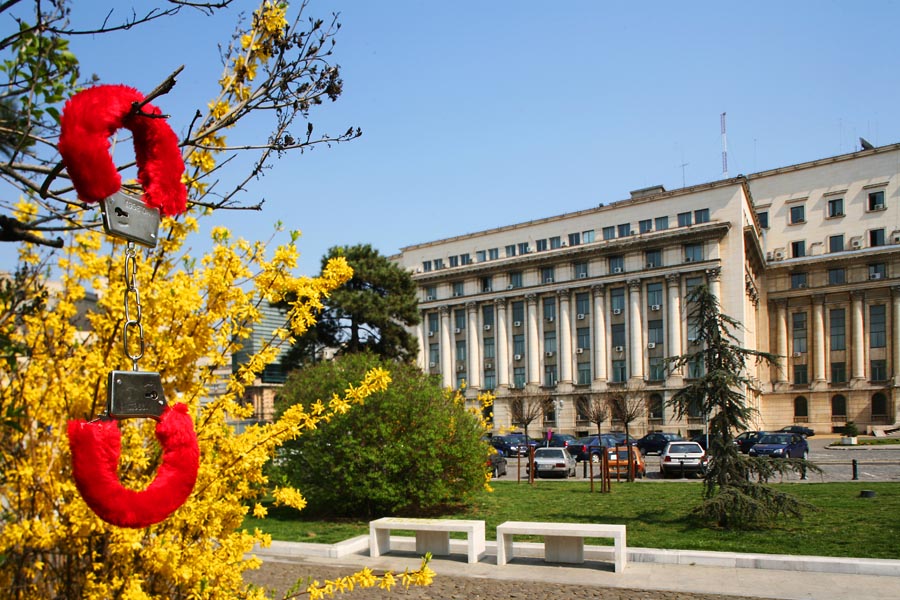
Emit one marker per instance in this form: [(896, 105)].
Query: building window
[(837, 276), (609, 233), (798, 214), (616, 264), (549, 375), (800, 375), (617, 300), (459, 319), (490, 379), (655, 332), (515, 279), (701, 216), (877, 271), (434, 355), (480, 256), (426, 266), (695, 368), (488, 347), (619, 371), (519, 377), (583, 303), (574, 239), (581, 270), (493, 253), (684, 219), (655, 407), (653, 258), (654, 296), (519, 345), (617, 333), (836, 243), (458, 288), (587, 237), (877, 326), (835, 208), (645, 225), (584, 373), (662, 223), (690, 283), (439, 263), (838, 372), (487, 316), (876, 200), (460, 379), (798, 280), (518, 311), (798, 322), (838, 408), (549, 309), (433, 324), (555, 242), (541, 245), (624, 229), (763, 217), (487, 284), (801, 408), (461, 351), (876, 237), (583, 335), (879, 405), (878, 370), (524, 248), (657, 369), (798, 249), (693, 252), (510, 250), (837, 327), (466, 259), (547, 274), (431, 292)]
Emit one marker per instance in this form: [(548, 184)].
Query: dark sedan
[(746, 440), (800, 429), (514, 444), (781, 445), (655, 443)]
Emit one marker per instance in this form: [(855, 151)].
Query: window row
[(878, 408), (839, 243), (834, 209), (838, 275)]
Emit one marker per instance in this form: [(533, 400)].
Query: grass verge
[(657, 517)]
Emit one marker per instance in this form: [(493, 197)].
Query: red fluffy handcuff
[(89, 118)]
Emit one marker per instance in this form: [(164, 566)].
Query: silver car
[(682, 457), (553, 461)]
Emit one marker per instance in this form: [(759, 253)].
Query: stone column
[(501, 343), (473, 347), (782, 340), (858, 346), (447, 350), (564, 335), (674, 320), (714, 280), (818, 341), (895, 334), (598, 344), (636, 329), (422, 334), (532, 345)]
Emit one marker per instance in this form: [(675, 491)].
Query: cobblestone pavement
[(280, 576)]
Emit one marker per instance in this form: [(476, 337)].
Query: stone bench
[(563, 542), (432, 535)]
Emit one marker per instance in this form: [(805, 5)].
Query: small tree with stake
[(627, 405), (524, 409), (735, 490)]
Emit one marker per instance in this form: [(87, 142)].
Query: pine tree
[(735, 491)]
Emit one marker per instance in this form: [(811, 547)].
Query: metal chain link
[(131, 287)]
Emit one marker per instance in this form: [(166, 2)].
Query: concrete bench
[(563, 542), (432, 535)]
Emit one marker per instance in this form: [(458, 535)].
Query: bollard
[(584, 466), (855, 470)]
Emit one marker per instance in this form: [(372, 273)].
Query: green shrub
[(850, 429), (410, 450)]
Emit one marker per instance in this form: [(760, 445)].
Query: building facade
[(573, 306)]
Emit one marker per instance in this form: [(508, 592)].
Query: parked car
[(513, 444), (655, 443), (798, 429), (681, 458), (497, 464), (746, 440), (564, 440), (553, 461), (595, 443), (703, 440), (618, 461), (781, 445)]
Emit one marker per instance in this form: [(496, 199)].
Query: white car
[(682, 457), (553, 461)]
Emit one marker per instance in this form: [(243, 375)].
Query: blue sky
[(480, 114)]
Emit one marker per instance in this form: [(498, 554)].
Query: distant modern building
[(571, 306), (263, 391)]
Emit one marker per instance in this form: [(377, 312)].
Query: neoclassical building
[(572, 306)]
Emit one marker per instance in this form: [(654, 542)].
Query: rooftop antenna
[(724, 149)]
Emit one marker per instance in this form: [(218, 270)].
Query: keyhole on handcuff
[(121, 213)]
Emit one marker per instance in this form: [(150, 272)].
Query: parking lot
[(873, 463)]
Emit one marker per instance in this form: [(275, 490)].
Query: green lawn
[(656, 516)]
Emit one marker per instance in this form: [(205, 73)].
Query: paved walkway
[(533, 579)]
